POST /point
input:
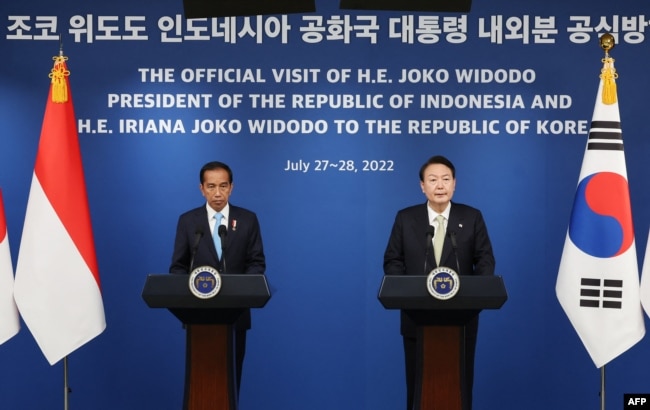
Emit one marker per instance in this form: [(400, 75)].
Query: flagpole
[(602, 388), (606, 43), (66, 388)]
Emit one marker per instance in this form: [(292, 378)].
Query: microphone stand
[(223, 257), (223, 233), (199, 235), (454, 245), (430, 232)]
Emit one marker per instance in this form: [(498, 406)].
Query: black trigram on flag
[(605, 135), (606, 293)]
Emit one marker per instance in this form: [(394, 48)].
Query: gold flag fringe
[(608, 75), (59, 84)]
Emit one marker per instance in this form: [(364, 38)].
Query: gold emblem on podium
[(443, 283), (205, 282)]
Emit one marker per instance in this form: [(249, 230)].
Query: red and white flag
[(9, 319), (57, 286), (598, 279)]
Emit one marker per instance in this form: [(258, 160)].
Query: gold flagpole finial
[(608, 73), (607, 43), (58, 76)]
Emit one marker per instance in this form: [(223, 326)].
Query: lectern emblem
[(443, 283), (205, 282)]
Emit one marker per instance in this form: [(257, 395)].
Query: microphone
[(454, 246), (430, 232), (197, 237), (223, 232)]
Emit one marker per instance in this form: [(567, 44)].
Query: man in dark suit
[(410, 251), (241, 251)]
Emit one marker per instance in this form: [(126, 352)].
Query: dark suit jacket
[(243, 254), (407, 246)]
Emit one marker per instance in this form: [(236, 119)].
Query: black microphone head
[(431, 230), (198, 232), (223, 231)]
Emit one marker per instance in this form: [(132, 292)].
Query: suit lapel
[(455, 224), (420, 225), (203, 221), (234, 222)]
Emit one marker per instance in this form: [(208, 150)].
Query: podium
[(210, 379), (440, 381)]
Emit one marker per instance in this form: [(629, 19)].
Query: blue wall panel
[(323, 341)]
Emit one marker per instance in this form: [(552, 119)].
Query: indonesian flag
[(57, 287), (9, 319), (598, 279)]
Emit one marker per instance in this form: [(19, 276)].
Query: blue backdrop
[(516, 130)]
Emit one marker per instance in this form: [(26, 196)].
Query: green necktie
[(439, 238)]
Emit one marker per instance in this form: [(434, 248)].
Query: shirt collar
[(432, 214), (211, 212)]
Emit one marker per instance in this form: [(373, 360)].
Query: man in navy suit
[(242, 250), (410, 252)]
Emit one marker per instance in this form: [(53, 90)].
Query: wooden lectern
[(210, 379), (440, 377)]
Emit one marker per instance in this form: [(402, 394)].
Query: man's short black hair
[(437, 159), (211, 166)]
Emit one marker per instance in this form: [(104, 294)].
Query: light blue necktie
[(215, 233)]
